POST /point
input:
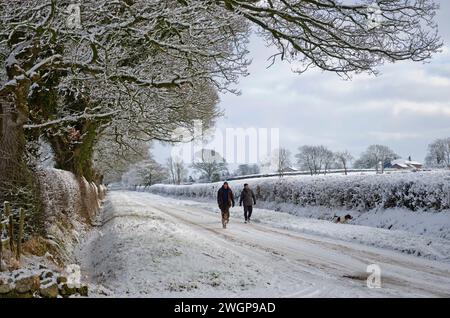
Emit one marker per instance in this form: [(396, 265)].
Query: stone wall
[(39, 283)]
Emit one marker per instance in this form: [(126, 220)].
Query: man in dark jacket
[(225, 200), (248, 198)]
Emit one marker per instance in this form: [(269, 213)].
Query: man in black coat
[(225, 200), (248, 198)]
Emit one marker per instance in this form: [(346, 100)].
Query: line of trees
[(212, 167), (319, 159), (148, 172)]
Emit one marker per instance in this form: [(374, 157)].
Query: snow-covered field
[(153, 246)]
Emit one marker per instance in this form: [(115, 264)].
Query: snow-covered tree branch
[(344, 37)]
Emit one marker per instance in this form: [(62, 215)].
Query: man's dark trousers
[(248, 209)]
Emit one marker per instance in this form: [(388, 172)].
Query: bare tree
[(171, 169), (328, 159), (344, 158), (341, 37), (376, 156), (209, 163), (144, 173), (315, 158), (177, 170), (112, 158), (438, 155), (307, 159), (283, 161)]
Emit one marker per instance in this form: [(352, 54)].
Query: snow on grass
[(138, 253)]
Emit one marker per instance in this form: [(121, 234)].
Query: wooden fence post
[(20, 236), (1, 231), (11, 233), (1, 246), (7, 208), (11, 225)]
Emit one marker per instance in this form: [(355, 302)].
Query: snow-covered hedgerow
[(70, 204), (60, 191), (63, 193), (425, 191)]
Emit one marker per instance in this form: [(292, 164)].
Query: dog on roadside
[(342, 219)]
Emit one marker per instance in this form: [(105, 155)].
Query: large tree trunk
[(12, 143), (74, 151), (15, 111), (17, 181)]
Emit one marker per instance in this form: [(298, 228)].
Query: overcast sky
[(405, 107)]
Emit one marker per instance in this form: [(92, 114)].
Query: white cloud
[(429, 110), (386, 136)]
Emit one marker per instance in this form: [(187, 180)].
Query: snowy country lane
[(152, 246)]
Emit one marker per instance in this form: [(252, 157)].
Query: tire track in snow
[(401, 273)]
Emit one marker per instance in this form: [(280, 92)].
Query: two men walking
[(225, 200)]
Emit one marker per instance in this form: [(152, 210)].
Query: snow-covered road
[(152, 246)]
